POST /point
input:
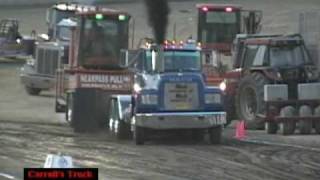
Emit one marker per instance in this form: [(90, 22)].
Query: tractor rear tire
[(139, 135), (89, 110), (249, 100), (317, 122), (271, 127), (33, 91), (305, 126), (215, 135), (287, 127)]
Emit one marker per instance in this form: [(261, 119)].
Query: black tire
[(287, 127), (122, 130), (139, 135), (271, 127), (90, 110), (33, 91), (305, 126), (198, 135), (249, 100), (317, 122), (215, 135)]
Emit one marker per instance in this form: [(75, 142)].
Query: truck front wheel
[(215, 135), (139, 135), (33, 91), (122, 129)]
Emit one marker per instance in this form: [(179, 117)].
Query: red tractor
[(95, 71), (274, 83), (218, 25)]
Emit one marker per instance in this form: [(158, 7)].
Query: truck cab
[(171, 94), (51, 50)]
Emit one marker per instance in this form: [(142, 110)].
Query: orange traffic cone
[(240, 130)]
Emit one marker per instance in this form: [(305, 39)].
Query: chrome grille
[(181, 96), (47, 61)]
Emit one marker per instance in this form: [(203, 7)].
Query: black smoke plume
[(158, 12)]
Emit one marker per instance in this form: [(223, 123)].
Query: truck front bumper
[(30, 79), (183, 120)]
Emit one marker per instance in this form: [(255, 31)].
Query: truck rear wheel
[(33, 91), (139, 135), (287, 127), (215, 135), (305, 126), (317, 122), (249, 100)]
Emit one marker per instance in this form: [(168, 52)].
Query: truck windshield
[(219, 26), (102, 40), (65, 33), (289, 56), (182, 61), (59, 15)]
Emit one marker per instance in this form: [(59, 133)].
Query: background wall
[(48, 2)]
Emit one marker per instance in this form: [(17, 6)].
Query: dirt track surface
[(27, 144), (29, 128)]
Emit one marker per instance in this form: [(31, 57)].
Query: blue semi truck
[(170, 94)]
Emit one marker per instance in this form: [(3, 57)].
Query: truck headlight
[(18, 40), (149, 99), (223, 86), (212, 98), (31, 62), (137, 88)]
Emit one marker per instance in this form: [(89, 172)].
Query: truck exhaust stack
[(158, 11)]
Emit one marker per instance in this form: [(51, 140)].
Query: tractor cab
[(218, 25), (99, 38)]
